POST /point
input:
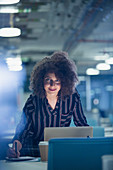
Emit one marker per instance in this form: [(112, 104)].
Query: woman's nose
[(52, 83)]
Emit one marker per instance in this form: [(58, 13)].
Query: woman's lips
[(52, 89)]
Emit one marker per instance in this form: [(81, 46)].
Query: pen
[(16, 147)]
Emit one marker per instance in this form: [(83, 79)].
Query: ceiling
[(83, 28)]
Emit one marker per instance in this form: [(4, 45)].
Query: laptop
[(64, 132)]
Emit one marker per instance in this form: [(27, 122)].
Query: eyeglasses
[(51, 82)]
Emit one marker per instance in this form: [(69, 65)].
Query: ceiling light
[(7, 2), (14, 64), (109, 60), (103, 66), (10, 32), (101, 57), (92, 71), (109, 88), (8, 9), (14, 61), (15, 68)]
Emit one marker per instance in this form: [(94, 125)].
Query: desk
[(23, 165)]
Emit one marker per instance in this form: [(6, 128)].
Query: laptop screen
[(64, 132)]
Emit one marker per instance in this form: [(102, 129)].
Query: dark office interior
[(82, 28)]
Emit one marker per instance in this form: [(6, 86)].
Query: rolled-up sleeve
[(78, 115)]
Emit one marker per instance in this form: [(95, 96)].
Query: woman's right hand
[(14, 152)]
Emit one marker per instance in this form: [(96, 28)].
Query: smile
[(52, 89)]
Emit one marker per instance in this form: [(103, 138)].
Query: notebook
[(64, 132)]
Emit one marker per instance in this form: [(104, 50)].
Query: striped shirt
[(38, 114)]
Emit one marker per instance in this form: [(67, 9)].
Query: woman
[(53, 102)]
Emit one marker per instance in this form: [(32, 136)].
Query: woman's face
[(52, 84)]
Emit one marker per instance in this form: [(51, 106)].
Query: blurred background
[(33, 29)]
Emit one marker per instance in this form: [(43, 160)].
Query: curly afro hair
[(63, 68)]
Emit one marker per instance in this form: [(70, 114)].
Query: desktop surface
[(23, 165)]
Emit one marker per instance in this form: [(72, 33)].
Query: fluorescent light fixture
[(92, 71), (109, 88), (14, 64), (10, 32), (13, 61), (9, 9), (109, 60), (101, 57), (103, 66), (7, 2), (15, 68)]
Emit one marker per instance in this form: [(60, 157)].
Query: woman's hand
[(14, 151)]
